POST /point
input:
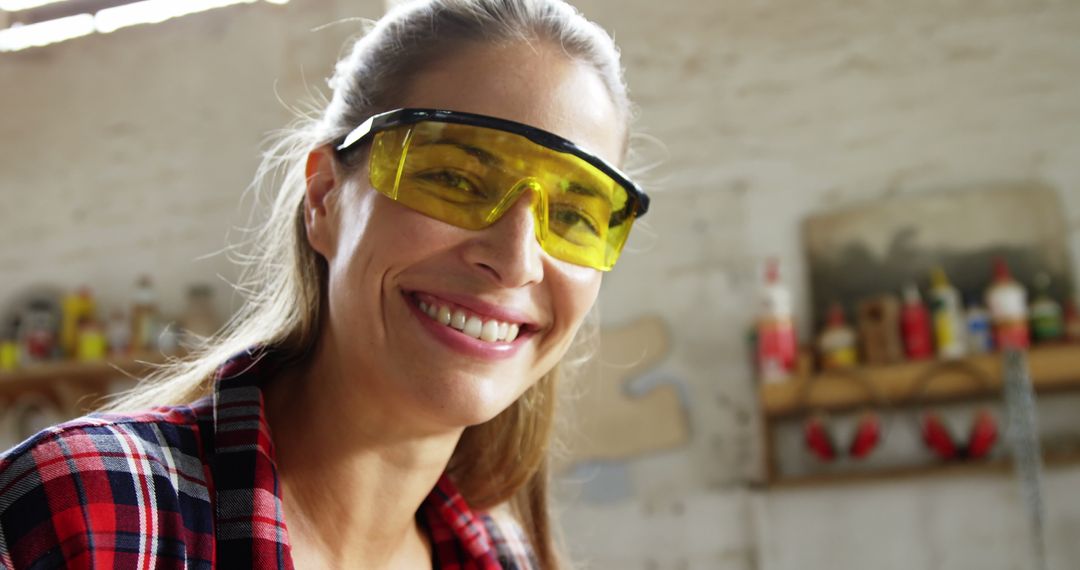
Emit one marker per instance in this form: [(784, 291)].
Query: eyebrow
[(485, 157)]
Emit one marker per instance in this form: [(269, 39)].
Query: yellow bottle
[(947, 315)]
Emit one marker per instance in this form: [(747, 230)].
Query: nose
[(507, 251)]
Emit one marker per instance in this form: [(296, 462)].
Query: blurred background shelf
[(1053, 368), (39, 395), (48, 375)]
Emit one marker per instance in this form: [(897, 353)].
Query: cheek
[(376, 234), (576, 293)]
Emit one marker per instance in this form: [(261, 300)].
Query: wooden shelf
[(46, 374), (1053, 368)]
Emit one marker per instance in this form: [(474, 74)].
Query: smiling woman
[(435, 244)]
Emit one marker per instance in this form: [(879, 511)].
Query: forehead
[(533, 84)]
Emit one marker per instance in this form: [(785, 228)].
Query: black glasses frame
[(398, 117)]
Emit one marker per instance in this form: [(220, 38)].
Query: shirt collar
[(250, 522)]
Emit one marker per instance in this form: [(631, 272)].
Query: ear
[(320, 212)]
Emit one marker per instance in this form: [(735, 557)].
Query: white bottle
[(777, 347), (1007, 301)]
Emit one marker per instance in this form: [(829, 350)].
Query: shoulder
[(511, 544), (74, 488)]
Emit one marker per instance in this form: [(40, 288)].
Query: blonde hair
[(505, 459)]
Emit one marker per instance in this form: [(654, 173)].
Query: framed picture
[(879, 247)]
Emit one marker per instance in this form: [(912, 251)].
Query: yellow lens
[(468, 176)]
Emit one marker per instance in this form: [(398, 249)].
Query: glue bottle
[(1007, 300), (945, 307), (776, 342), (836, 344)]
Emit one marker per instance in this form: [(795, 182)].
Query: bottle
[(836, 345), (200, 320), (144, 316), (38, 332), (1007, 301), (9, 355), (1047, 320), (1072, 321), (118, 333), (76, 309), (915, 326), (69, 323), (945, 309), (980, 332), (92, 344), (776, 342)]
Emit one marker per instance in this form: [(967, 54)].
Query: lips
[(456, 339), (478, 320)]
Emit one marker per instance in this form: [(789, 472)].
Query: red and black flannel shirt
[(191, 486)]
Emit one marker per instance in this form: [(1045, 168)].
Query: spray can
[(1007, 300), (776, 343), (915, 325)]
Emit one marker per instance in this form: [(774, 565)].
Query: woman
[(434, 246)]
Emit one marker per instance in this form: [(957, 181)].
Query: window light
[(154, 12), (20, 36), (17, 5), (45, 33)]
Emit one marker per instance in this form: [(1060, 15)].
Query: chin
[(464, 402)]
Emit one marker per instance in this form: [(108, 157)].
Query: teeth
[(458, 320), (471, 325), (490, 332)]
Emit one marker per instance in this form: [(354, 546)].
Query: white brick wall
[(128, 153)]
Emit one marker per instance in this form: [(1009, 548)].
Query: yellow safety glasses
[(468, 170)]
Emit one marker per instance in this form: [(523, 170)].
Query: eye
[(572, 221), (450, 185), (450, 179)]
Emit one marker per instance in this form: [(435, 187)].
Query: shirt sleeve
[(94, 495)]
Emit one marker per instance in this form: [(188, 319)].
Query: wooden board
[(1052, 368), (608, 422)]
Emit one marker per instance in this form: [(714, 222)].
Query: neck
[(353, 473)]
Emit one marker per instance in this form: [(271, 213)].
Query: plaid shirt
[(191, 487)]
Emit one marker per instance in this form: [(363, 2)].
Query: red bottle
[(915, 326), (1072, 322)]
